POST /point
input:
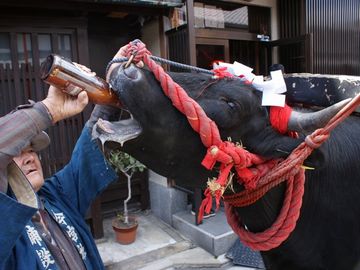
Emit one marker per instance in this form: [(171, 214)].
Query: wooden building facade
[(304, 35), (220, 30)]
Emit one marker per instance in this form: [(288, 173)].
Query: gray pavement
[(157, 247)]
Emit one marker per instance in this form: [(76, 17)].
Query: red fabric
[(279, 118), (221, 73)]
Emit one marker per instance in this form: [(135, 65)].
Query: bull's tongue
[(120, 132)]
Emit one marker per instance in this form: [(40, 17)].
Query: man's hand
[(62, 105)]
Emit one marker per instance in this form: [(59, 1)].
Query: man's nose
[(29, 158)]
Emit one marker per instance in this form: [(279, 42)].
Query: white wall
[(265, 3), (151, 37)]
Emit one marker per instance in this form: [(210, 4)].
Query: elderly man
[(42, 224)]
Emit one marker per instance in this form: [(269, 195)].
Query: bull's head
[(168, 145)]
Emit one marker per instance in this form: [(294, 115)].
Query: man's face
[(29, 163)]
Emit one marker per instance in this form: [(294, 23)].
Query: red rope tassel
[(279, 118), (206, 205)]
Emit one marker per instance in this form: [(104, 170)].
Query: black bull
[(327, 234)]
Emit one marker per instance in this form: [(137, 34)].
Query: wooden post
[(97, 227), (197, 203), (191, 31)]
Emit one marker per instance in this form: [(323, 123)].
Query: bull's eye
[(231, 104)]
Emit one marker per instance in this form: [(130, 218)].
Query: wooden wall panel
[(335, 29), (259, 20), (178, 42), (336, 35), (291, 18)]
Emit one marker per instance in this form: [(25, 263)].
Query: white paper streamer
[(272, 89)]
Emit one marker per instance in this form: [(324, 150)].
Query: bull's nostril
[(131, 72)]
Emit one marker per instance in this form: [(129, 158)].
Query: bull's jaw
[(117, 131), (120, 131)]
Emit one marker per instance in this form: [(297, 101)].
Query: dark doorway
[(210, 50), (250, 53)]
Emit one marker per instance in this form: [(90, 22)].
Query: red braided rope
[(288, 169), (283, 225), (230, 155)]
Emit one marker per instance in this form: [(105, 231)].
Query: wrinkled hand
[(121, 53), (62, 105)]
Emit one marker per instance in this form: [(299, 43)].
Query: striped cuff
[(40, 116)]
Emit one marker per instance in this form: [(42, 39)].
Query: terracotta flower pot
[(125, 233)]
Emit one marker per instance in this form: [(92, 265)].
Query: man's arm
[(86, 175), (16, 131)]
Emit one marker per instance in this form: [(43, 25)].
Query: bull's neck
[(263, 213)]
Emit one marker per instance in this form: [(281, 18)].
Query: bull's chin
[(119, 131)]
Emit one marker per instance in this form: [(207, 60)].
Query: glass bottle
[(73, 78)]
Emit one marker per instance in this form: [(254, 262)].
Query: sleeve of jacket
[(16, 131), (86, 175)]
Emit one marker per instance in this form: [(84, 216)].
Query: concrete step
[(194, 258), (154, 260), (214, 234)]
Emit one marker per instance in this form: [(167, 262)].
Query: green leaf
[(123, 162)]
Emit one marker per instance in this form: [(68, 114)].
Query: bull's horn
[(307, 122)]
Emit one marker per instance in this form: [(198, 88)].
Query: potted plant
[(125, 225)]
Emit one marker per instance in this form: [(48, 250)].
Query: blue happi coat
[(69, 194)]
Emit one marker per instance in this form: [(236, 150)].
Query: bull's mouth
[(123, 130), (119, 131)]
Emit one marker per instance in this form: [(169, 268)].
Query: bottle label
[(72, 89), (74, 86)]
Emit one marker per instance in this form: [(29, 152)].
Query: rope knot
[(229, 155), (136, 50), (216, 154), (317, 138)]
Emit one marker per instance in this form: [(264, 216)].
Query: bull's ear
[(316, 160), (271, 144)]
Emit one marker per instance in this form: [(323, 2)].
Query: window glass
[(45, 47), (64, 43), (5, 54), (24, 48)]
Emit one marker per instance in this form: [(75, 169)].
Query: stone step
[(154, 260), (214, 234), (195, 258)]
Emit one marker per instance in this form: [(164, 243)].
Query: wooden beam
[(225, 34), (191, 32), (83, 7), (286, 41)]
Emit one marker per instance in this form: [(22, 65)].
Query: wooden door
[(295, 54)]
